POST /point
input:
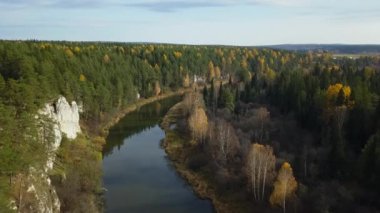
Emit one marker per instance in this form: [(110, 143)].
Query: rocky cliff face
[(65, 115), (65, 121)]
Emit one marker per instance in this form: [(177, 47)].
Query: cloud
[(154, 5), (171, 6), (307, 6), (51, 3)]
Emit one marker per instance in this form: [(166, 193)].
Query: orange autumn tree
[(284, 187), (177, 54), (338, 94), (338, 102)]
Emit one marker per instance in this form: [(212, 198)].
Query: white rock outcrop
[(44, 195), (66, 116), (65, 121)]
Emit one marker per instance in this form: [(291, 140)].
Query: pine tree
[(220, 101), (205, 96)]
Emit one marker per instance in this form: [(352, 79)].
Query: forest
[(313, 118)]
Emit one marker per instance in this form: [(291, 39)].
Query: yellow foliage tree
[(244, 63), (156, 68), (165, 58), (177, 54), (270, 75), (157, 88), (120, 49), (76, 49), (284, 187), (186, 81), (261, 64), (106, 59), (219, 52), (82, 77), (150, 48), (198, 124), (333, 92), (69, 53), (217, 72)]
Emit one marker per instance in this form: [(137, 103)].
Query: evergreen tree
[(205, 96), (220, 101)]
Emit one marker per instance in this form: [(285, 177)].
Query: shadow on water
[(137, 174), (142, 119)]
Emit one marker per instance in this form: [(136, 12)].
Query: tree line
[(337, 100)]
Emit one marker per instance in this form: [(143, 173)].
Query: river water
[(137, 174)]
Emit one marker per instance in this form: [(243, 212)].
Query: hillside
[(368, 49)]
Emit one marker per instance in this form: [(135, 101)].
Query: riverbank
[(173, 145), (78, 167), (104, 128), (179, 149)]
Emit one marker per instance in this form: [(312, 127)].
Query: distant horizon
[(194, 44)]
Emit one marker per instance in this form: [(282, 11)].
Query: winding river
[(137, 174)]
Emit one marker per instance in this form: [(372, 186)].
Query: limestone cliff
[(65, 122)]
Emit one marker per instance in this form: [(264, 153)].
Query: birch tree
[(198, 124), (224, 142), (284, 187), (260, 169)]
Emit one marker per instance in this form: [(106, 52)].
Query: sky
[(226, 22)]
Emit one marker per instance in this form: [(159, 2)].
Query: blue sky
[(230, 22)]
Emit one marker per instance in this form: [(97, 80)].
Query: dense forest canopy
[(338, 99)]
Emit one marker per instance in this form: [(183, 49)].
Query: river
[(137, 174)]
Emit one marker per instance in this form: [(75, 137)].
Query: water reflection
[(143, 119), (137, 174)]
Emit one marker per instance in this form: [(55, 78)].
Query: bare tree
[(262, 117), (223, 141), (260, 169), (191, 101)]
